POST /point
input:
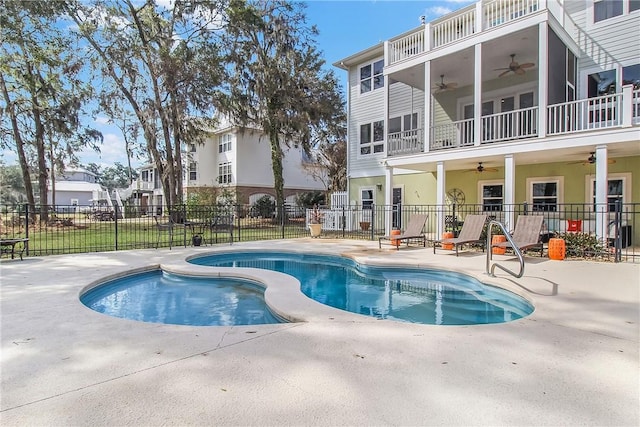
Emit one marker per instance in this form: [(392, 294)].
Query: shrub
[(264, 207), (581, 244)]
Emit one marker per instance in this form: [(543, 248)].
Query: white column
[(509, 191), (388, 198), (627, 106), (543, 81), (441, 183), (477, 96), (426, 126), (602, 220)]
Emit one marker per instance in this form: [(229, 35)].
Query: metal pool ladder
[(516, 250)]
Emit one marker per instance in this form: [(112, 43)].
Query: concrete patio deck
[(574, 361)]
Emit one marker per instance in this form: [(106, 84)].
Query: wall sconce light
[(379, 186)]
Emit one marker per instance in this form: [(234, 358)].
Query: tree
[(164, 62), (276, 80), (11, 185), (330, 165), (42, 92)]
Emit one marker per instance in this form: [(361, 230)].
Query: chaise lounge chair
[(412, 232), (471, 232), (526, 235)]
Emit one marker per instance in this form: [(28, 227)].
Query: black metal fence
[(75, 229)]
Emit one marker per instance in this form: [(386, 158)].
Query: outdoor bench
[(8, 246)]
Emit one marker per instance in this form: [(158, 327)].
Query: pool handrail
[(491, 267)]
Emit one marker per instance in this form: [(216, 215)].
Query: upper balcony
[(607, 112), (466, 22)]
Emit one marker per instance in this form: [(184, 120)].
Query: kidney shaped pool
[(407, 294)]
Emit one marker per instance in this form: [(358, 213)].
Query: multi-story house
[(499, 103), (238, 160)]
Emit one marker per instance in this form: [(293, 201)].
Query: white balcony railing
[(585, 114), (510, 125), (406, 47), (458, 25), (405, 142), (499, 12), (452, 135), (455, 28)]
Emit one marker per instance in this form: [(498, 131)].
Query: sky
[(345, 28)]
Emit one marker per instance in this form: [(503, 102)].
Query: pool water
[(160, 297), (411, 295)]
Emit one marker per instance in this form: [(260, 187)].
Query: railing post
[(26, 225), (115, 220), (618, 231), (344, 222), (479, 18), (373, 220), (627, 106)]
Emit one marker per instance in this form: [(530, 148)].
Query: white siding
[(605, 44), (405, 100), (364, 108)]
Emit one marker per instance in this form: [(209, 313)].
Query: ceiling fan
[(591, 160), (442, 86), (480, 169), (515, 67)]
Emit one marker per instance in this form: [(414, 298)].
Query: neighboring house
[(74, 187), (78, 188), (545, 93), (146, 191), (237, 159)]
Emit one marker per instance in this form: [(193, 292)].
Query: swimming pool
[(160, 297), (406, 294)]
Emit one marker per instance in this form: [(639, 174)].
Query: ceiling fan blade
[(500, 69), (519, 71), (504, 73), (452, 85), (527, 65)]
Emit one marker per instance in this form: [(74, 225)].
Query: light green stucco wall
[(420, 188)]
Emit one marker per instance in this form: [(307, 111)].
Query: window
[(605, 9), (634, 5), (192, 148), (224, 143), (403, 123), (145, 176), (371, 77), (366, 198), (193, 168), (615, 191), (372, 137), (602, 83), (74, 202), (492, 197), (224, 173), (544, 194), (631, 76)]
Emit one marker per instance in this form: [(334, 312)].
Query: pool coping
[(573, 361)]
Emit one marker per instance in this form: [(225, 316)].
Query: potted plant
[(315, 221)]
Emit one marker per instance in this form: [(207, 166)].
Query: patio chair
[(164, 227), (526, 235), (471, 232), (411, 233)]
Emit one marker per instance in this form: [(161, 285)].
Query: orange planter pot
[(498, 239), (447, 235), (557, 249), (395, 242)]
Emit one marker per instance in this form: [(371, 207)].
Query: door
[(396, 219)]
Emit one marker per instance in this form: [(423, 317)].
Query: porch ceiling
[(468, 158), (459, 67)]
